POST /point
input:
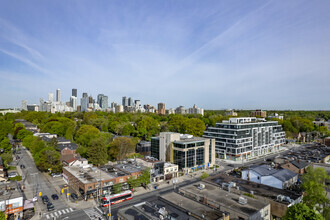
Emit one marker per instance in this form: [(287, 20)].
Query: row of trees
[(316, 205)]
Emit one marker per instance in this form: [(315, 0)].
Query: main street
[(35, 182)]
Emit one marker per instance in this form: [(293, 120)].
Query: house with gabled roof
[(297, 166), (264, 174)]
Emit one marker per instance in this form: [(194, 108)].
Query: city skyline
[(215, 54)]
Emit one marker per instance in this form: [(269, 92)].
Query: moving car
[(74, 196), (50, 206), (22, 166), (54, 196), (45, 199)]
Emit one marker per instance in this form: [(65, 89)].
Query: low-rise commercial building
[(238, 206), (297, 166), (11, 201), (264, 174), (88, 182), (279, 199), (171, 206)]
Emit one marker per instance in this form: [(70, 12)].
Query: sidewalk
[(164, 184)]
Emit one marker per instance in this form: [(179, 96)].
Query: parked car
[(18, 157), (56, 175), (74, 196), (22, 166), (50, 206), (12, 174), (55, 197), (45, 199)]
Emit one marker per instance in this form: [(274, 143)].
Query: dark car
[(74, 196), (45, 199), (55, 197), (50, 206), (22, 166)]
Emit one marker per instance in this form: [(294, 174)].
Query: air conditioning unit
[(242, 200)]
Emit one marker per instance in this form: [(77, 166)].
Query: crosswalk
[(58, 213), (94, 213)]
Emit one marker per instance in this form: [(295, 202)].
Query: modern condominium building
[(186, 151), (242, 138)]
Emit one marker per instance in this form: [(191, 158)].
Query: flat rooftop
[(246, 186), (113, 171), (9, 191), (195, 208), (130, 168), (89, 175), (192, 139), (224, 198), (154, 210)]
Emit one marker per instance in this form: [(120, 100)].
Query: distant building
[(24, 105), (259, 113), (73, 102), (130, 102), (58, 95), (119, 108), (102, 100), (171, 111), (51, 97), (241, 138), (33, 108), (277, 116), (125, 101), (180, 110), (230, 113), (264, 174), (161, 108), (84, 103), (186, 151), (74, 93), (194, 110)]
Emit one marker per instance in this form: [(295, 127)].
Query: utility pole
[(110, 209)]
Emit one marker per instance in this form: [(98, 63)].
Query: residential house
[(297, 166), (264, 174)]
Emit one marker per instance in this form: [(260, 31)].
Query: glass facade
[(200, 156), (179, 158), (190, 158), (155, 147)]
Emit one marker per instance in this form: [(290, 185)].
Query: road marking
[(55, 213), (63, 211), (71, 209), (51, 215), (47, 216), (67, 210)]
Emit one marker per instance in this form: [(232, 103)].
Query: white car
[(12, 174), (56, 175)]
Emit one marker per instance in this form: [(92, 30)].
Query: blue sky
[(215, 54)]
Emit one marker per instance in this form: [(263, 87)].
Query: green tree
[(7, 158), (48, 158), (5, 128), (97, 152), (178, 123), (121, 148), (86, 134), (117, 188), (5, 145), (147, 127), (195, 127), (134, 183), (301, 212), (204, 175), (313, 184), (144, 178), (22, 133)]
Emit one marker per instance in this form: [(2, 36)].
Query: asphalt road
[(38, 183)]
